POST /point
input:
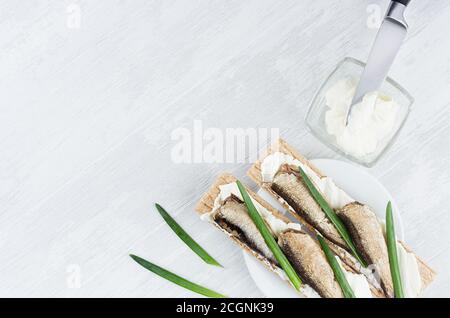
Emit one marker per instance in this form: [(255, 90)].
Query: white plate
[(360, 185)]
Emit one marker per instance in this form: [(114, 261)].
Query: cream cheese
[(357, 282), (370, 124), (335, 196), (409, 272)]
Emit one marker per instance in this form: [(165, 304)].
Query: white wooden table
[(91, 92)]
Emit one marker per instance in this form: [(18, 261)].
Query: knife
[(384, 50)]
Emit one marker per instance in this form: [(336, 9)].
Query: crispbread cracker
[(254, 173), (206, 205)]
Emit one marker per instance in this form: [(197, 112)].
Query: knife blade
[(389, 39)]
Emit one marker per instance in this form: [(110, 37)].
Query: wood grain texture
[(88, 113)]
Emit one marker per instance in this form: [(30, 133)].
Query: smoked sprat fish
[(367, 234), (310, 262), (289, 185), (233, 216)]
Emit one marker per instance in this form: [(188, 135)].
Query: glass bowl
[(315, 118)]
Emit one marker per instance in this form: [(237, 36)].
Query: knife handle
[(404, 2)]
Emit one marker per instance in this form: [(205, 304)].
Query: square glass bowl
[(315, 118)]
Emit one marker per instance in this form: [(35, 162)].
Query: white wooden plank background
[(88, 106)]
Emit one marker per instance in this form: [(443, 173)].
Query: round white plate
[(359, 184)]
